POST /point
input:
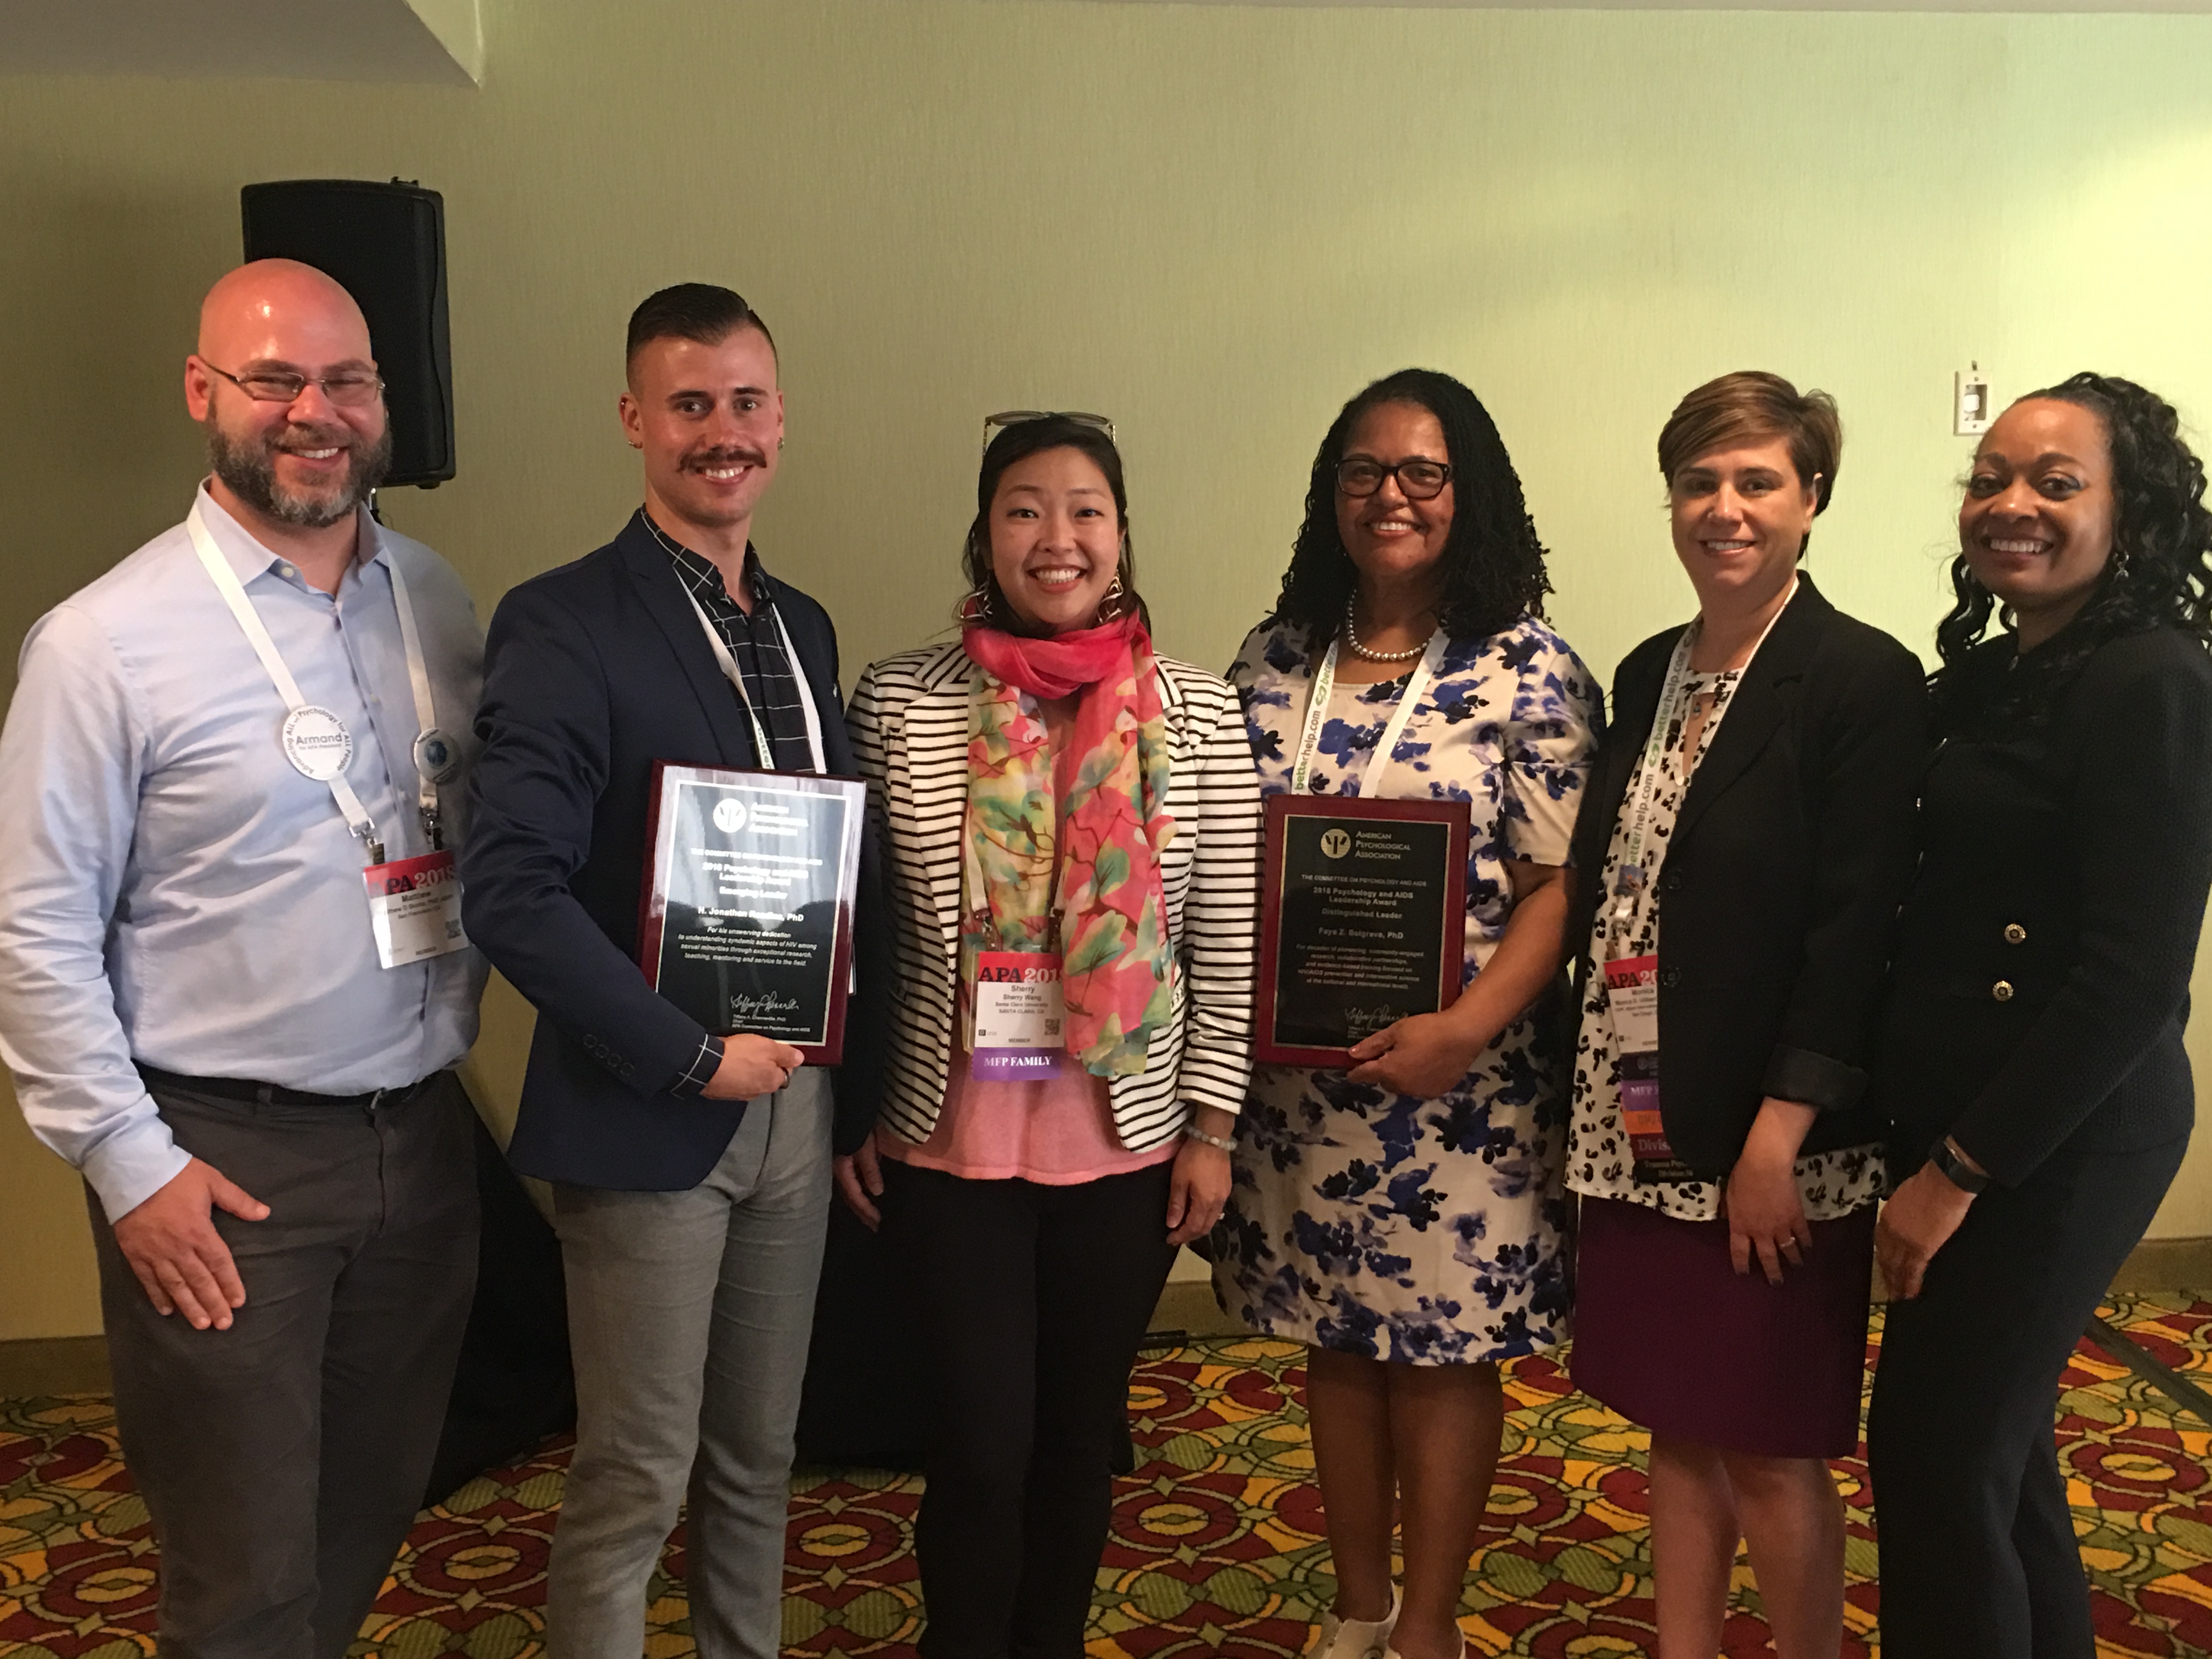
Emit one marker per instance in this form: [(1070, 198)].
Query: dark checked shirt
[(756, 644)]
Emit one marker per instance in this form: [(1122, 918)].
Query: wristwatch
[(1954, 1168)]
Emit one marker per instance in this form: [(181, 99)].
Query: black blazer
[(1779, 894), (2042, 979), (591, 673)]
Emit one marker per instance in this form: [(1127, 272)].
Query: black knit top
[(2042, 977)]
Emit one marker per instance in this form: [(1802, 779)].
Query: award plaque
[(745, 915), (1363, 920)]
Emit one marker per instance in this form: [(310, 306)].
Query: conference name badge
[(1021, 1017), (1632, 989), (415, 907)]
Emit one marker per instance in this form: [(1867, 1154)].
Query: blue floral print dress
[(1428, 1232)]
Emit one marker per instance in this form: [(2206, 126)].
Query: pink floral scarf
[(1109, 914)]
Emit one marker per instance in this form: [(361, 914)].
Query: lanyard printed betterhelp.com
[(1324, 685), (1639, 863), (1631, 983)]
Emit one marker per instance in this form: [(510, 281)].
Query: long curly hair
[(1494, 564), (2159, 573)]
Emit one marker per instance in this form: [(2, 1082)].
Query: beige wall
[(1213, 223)]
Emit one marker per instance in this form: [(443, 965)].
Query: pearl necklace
[(1352, 638)]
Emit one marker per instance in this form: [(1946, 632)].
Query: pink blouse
[(1055, 1133)]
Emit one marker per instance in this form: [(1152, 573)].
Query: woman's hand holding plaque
[(1422, 1054)]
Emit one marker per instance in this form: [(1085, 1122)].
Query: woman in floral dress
[(1405, 1218)]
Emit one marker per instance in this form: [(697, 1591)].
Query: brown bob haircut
[(1751, 406)]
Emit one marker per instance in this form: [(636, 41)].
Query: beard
[(249, 467)]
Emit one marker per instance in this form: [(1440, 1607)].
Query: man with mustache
[(691, 1171), (230, 994)]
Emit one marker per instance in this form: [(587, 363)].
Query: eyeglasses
[(276, 386), (1023, 417), (1418, 480)]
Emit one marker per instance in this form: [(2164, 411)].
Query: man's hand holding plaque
[(752, 1067)]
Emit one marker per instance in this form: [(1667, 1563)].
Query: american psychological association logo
[(1335, 843), (729, 816)]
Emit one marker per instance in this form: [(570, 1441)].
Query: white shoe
[(1353, 1639), (1392, 1653)]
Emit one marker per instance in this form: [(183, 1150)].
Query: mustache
[(307, 435), (730, 455)]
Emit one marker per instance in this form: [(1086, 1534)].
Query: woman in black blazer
[(1742, 849), (2030, 1060)]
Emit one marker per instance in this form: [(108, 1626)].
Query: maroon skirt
[(1670, 1336)]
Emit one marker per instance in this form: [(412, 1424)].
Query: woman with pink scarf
[(1072, 832)]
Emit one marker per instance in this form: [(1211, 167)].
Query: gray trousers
[(689, 1316), (283, 1460)]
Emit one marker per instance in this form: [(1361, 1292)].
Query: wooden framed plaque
[(745, 914), (1363, 920)]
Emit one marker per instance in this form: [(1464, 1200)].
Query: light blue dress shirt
[(172, 891)]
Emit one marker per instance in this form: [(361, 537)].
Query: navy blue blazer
[(592, 672)]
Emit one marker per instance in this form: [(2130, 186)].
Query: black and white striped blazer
[(909, 721)]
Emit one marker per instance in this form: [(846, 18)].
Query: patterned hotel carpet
[(1217, 1545)]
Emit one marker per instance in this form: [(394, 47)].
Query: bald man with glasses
[(234, 982)]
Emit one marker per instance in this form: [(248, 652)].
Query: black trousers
[(1978, 1554), (283, 1460), (1033, 1300)]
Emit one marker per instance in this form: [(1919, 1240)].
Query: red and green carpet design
[(1218, 1536)]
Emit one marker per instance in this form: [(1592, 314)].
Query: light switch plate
[(1970, 402)]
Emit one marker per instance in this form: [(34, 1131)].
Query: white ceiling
[(424, 40), (441, 41)]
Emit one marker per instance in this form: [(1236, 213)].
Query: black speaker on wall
[(386, 245)]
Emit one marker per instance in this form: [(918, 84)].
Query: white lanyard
[(729, 666), (1324, 684), (1637, 868), (418, 677)]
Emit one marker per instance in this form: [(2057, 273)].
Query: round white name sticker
[(317, 742)]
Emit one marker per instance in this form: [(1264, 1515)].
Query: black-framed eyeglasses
[(1418, 480), (1023, 417), (278, 385)]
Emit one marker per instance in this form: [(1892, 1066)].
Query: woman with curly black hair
[(1404, 1217), (2031, 1063)]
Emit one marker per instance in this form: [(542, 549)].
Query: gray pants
[(283, 1460), (689, 1315)]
